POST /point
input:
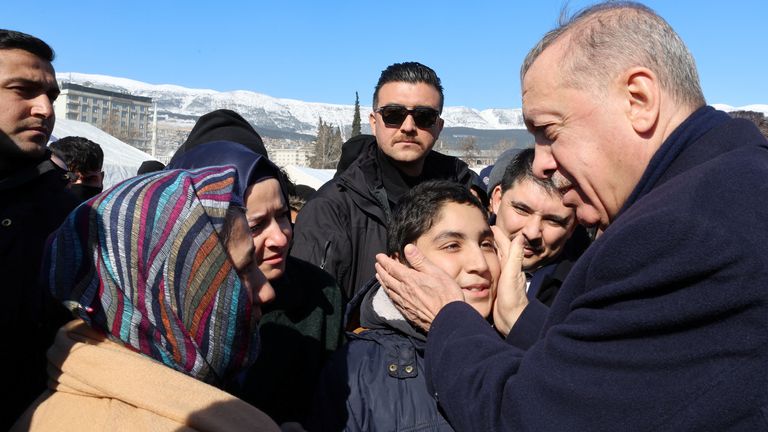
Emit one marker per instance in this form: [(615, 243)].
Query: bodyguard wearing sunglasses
[(344, 225)]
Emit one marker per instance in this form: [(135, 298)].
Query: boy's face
[(460, 242)]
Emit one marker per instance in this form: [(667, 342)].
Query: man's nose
[(544, 165), (409, 124), (42, 106), (532, 230)]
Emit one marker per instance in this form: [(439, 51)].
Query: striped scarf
[(143, 262)]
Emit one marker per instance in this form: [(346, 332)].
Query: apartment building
[(283, 154), (124, 116)]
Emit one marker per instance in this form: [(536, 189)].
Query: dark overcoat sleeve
[(661, 325)]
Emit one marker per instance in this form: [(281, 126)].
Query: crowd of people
[(613, 277)]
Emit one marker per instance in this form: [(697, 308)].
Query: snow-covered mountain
[(176, 104), (183, 105)]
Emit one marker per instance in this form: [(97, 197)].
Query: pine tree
[(356, 118), (469, 150), (327, 147), (335, 148), (317, 157)]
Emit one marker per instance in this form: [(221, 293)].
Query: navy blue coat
[(662, 324), (376, 381)]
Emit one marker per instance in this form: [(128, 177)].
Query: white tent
[(121, 160), (311, 177)]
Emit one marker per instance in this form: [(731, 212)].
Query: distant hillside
[(486, 139), (176, 104)]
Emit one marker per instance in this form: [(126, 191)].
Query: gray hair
[(610, 37)]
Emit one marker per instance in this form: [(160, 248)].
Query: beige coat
[(98, 385)]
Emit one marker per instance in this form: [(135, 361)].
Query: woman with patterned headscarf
[(305, 322), (160, 276)]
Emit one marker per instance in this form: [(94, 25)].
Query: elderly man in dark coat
[(662, 323)]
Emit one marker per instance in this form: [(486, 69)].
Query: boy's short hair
[(418, 210)]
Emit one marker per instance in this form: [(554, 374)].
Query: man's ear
[(644, 98), (496, 199), (372, 122)]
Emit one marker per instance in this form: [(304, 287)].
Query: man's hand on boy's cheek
[(419, 292)]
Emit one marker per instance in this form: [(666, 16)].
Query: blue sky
[(325, 51)]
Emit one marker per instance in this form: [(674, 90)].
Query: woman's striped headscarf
[(144, 263)]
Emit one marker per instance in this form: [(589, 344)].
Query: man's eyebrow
[(22, 80), (52, 91), (557, 218), (528, 124), (520, 204)]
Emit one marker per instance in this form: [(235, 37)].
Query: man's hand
[(419, 292), (511, 299)]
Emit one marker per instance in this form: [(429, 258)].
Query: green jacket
[(299, 329)]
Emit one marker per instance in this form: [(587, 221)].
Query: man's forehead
[(403, 90), (526, 183), (544, 72), (26, 63), (533, 187)]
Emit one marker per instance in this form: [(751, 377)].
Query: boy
[(377, 380)]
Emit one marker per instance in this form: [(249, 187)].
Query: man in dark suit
[(662, 323)]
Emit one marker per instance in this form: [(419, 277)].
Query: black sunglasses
[(394, 115)]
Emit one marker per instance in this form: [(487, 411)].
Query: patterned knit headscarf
[(143, 262)]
